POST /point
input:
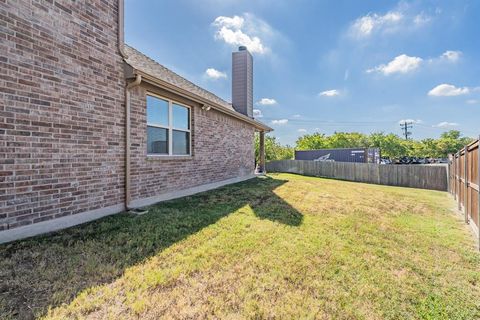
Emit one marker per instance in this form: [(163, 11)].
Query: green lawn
[(286, 246)]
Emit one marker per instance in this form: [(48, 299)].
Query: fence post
[(455, 176), (465, 190), (449, 189), (478, 191), (459, 178)]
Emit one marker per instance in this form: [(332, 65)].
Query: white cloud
[(366, 25), (297, 116), (363, 26), (404, 63), (257, 113), (413, 121), (329, 93), (214, 74), (246, 30), (280, 121), (400, 64), (402, 20), (237, 38), (234, 22), (451, 55), (446, 124), (472, 101), (302, 130), (391, 17), (447, 90), (266, 102), (421, 19)]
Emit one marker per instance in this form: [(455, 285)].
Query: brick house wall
[(62, 120), (61, 109), (222, 148)]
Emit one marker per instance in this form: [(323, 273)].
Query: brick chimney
[(242, 81)]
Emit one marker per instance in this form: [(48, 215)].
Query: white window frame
[(170, 127)]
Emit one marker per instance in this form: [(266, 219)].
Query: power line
[(332, 122), (364, 124), (405, 126), (444, 129)]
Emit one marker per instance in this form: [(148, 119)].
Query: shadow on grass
[(50, 270)]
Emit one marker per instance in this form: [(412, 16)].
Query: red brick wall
[(222, 148), (61, 109), (62, 118)]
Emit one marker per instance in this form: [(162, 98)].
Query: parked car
[(385, 161), (410, 160)]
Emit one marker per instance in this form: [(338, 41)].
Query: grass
[(282, 247)]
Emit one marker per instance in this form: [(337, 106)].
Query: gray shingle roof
[(149, 66)]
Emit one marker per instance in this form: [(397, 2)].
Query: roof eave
[(163, 84)]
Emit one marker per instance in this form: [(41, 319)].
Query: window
[(168, 127)]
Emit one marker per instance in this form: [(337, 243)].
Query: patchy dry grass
[(283, 247)]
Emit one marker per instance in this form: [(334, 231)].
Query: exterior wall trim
[(80, 218), (58, 223), (138, 203)]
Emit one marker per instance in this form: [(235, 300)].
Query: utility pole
[(405, 126)]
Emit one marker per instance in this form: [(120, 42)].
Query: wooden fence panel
[(414, 176), (464, 168)]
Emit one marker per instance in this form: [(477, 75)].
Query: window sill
[(154, 157)]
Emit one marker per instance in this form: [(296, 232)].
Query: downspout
[(136, 82), (129, 86), (121, 25)]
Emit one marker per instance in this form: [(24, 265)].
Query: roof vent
[(242, 48)]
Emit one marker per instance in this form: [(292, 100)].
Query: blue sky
[(327, 66)]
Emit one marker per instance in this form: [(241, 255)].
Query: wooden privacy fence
[(415, 176), (464, 172)]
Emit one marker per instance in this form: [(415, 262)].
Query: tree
[(337, 140), (391, 145), (451, 141), (427, 148), (348, 140), (273, 149), (312, 141)]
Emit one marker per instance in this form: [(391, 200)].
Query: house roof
[(146, 65)]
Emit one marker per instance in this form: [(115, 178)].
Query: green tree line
[(391, 145), (274, 150)]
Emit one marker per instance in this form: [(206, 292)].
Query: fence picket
[(416, 176), (464, 168)]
